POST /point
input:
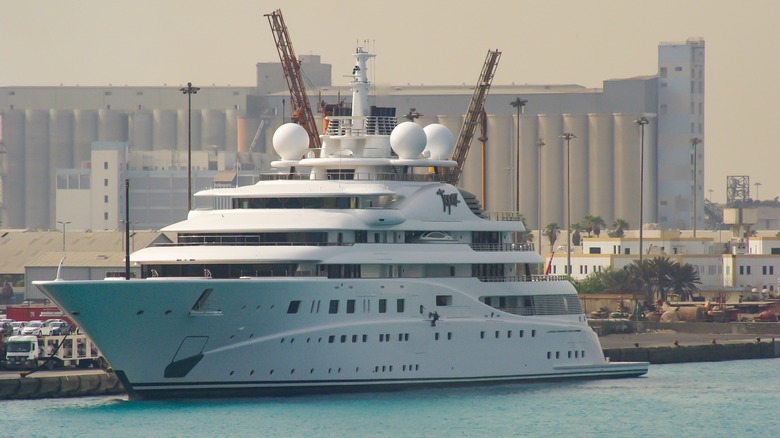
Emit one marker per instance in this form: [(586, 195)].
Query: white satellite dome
[(291, 141), (440, 141), (408, 140)]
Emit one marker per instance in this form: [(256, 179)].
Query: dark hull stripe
[(268, 388)]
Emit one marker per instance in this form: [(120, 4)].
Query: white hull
[(252, 345)]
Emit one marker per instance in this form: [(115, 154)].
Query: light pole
[(63, 223), (568, 136), (189, 90), (694, 142), (539, 144), (519, 104), (642, 121)]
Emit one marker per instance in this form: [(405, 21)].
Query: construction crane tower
[(452, 175), (301, 110)]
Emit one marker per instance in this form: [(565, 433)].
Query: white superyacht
[(364, 273)]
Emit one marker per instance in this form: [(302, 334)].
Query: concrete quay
[(660, 343), (60, 383)]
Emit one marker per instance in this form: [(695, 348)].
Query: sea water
[(714, 399)]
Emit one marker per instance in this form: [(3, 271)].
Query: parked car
[(17, 327), (33, 328), (59, 328), (6, 329)]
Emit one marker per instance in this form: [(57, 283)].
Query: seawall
[(695, 353), (44, 385)]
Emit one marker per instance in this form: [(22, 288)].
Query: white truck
[(29, 352)]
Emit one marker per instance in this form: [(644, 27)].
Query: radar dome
[(291, 141), (440, 141), (408, 140)]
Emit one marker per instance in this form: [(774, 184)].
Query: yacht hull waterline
[(367, 273), (263, 350)]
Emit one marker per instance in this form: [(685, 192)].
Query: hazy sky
[(156, 42)]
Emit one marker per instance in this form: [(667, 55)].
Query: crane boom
[(476, 106), (301, 110)]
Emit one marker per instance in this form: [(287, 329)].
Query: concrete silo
[(13, 169), (231, 131), (577, 124), (61, 135), (165, 130), (553, 177), (528, 160), (182, 132), (601, 162), (650, 212), (141, 128), (500, 166), (113, 125), (36, 169), (214, 127), (85, 133), (627, 168)]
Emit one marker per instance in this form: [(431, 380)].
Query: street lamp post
[(694, 142), (568, 136), (642, 121), (63, 223), (539, 144), (519, 104), (189, 90)]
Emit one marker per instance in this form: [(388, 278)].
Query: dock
[(59, 383)]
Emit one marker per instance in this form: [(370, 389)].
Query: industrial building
[(47, 130)]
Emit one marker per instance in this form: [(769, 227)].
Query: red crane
[(473, 116), (301, 110)]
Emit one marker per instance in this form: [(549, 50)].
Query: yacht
[(353, 267)]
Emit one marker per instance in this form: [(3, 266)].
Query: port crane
[(473, 116), (301, 110)]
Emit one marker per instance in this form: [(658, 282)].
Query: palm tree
[(587, 224), (551, 231), (620, 226), (576, 237), (525, 236), (598, 224), (684, 279)]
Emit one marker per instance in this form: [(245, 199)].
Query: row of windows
[(497, 334), (332, 339), (402, 337), (577, 354), (377, 369), (333, 306), (766, 270)]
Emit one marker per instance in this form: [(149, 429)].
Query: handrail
[(502, 246), (358, 176), (508, 279)]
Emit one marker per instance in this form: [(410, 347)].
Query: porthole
[(252, 372), (168, 312), (231, 372), (272, 371), (140, 312)]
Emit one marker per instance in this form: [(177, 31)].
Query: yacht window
[(334, 306), (443, 300), (399, 305), (293, 307), (382, 305), (350, 306)]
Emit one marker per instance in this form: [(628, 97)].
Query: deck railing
[(502, 246), (509, 279)]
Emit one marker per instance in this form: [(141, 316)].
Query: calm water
[(723, 399)]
